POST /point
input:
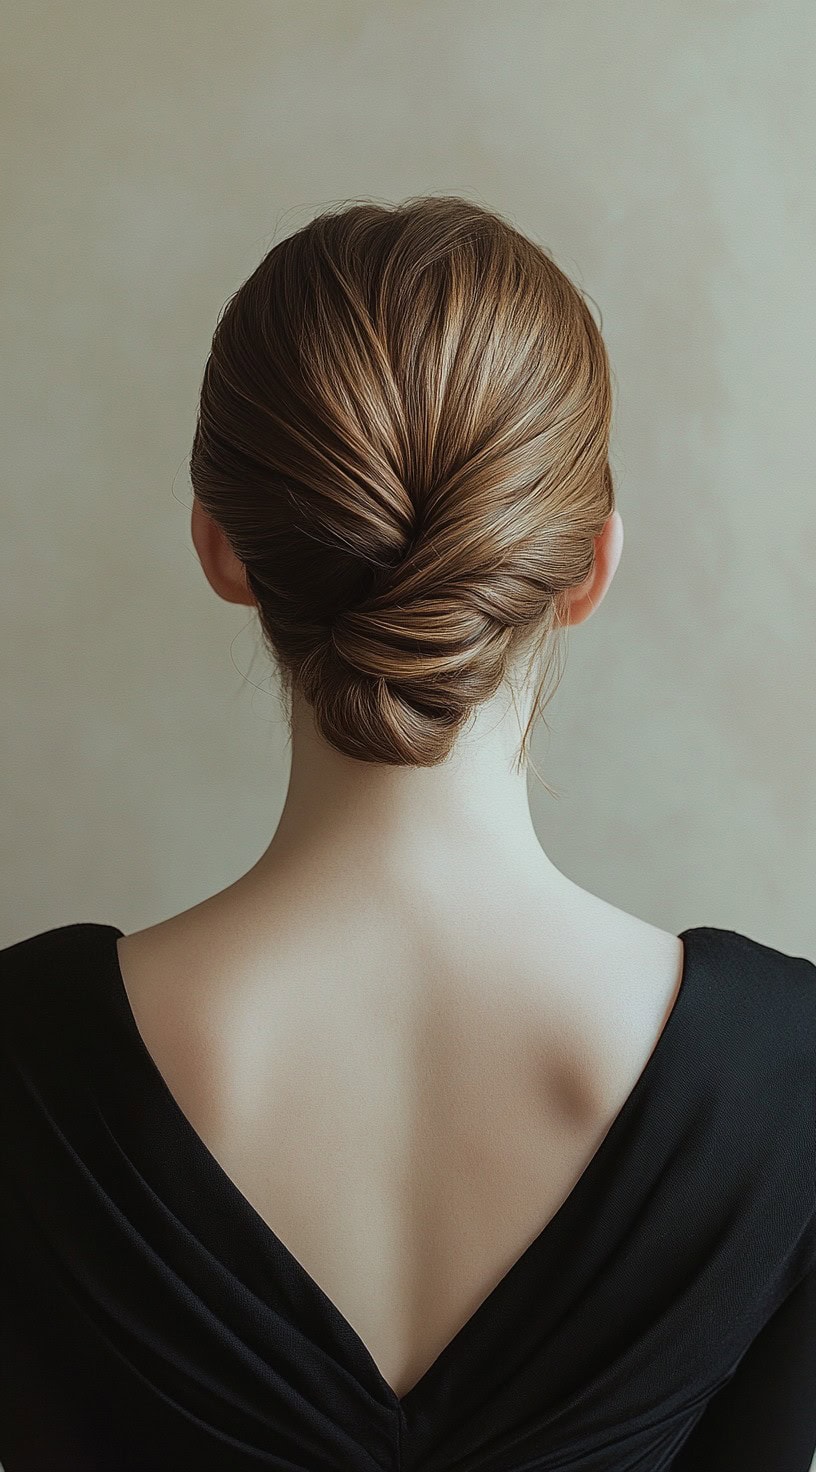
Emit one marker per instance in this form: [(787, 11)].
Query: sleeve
[(764, 1418)]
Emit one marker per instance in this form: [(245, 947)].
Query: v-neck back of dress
[(164, 1323), (581, 1094)]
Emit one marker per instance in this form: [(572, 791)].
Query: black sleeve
[(764, 1418)]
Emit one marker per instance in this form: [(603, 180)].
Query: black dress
[(665, 1317)]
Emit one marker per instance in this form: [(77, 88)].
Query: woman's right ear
[(584, 599)]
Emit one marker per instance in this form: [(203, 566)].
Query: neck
[(469, 817)]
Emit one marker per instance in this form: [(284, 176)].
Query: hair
[(403, 433)]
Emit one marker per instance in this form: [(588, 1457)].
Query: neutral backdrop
[(663, 151)]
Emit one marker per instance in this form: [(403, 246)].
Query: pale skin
[(403, 1032)]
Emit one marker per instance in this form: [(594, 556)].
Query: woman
[(405, 1151)]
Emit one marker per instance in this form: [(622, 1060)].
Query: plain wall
[(663, 152)]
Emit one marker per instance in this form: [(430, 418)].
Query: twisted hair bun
[(403, 432)]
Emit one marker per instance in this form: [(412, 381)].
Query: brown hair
[(403, 433)]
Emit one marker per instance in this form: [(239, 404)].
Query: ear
[(585, 598), (224, 572)]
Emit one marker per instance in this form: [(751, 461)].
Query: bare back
[(405, 1117)]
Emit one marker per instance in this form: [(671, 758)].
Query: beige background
[(663, 150)]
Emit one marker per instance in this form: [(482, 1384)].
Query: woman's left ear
[(224, 572)]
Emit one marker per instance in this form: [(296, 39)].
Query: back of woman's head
[(403, 434)]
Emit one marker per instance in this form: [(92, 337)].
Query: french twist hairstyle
[(403, 433)]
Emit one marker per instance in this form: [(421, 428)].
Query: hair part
[(403, 433)]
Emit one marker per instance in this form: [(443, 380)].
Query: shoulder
[(779, 987), (752, 1031), (33, 953), (760, 1012), (40, 976), (756, 952), (759, 1006)]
